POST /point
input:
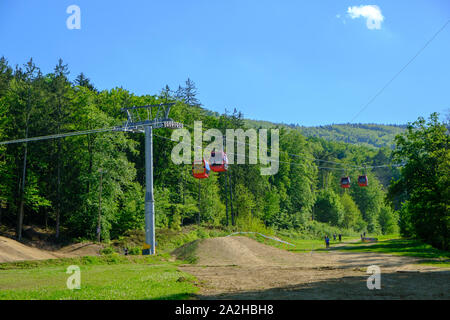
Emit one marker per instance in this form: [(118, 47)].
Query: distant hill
[(377, 135), (374, 135)]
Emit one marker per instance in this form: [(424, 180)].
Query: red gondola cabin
[(345, 182), (200, 169), (363, 181), (218, 161)]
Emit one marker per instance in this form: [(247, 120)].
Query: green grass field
[(388, 244), (106, 277), (115, 276)]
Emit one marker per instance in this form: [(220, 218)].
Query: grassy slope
[(106, 277), (114, 276), (111, 276), (136, 277)]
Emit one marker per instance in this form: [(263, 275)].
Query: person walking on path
[(340, 237), (327, 241)]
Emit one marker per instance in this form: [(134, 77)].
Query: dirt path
[(11, 251), (242, 268)]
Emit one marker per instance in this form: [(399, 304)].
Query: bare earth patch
[(242, 268), (11, 251), (81, 249)]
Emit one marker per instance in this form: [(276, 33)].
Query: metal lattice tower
[(156, 116)]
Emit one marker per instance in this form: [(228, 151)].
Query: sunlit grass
[(388, 244), (134, 278)]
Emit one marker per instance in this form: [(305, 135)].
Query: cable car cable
[(290, 163)]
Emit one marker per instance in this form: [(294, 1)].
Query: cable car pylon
[(157, 117)]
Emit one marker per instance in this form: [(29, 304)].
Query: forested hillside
[(372, 135), (56, 182), (376, 135)]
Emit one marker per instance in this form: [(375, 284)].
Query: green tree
[(83, 81), (425, 179), (328, 208), (302, 173), (370, 200), (271, 205), (352, 215), (59, 88), (211, 208), (23, 98), (5, 177), (388, 220), (245, 203)]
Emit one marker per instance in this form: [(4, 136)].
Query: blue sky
[(306, 62)]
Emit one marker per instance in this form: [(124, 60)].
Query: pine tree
[(190, 94), (82, 81)]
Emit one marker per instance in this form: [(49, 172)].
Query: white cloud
[(372, 14)]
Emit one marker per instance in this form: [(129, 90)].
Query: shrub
[(135, 251), (107, 250)]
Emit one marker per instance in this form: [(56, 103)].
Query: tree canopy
[(61, 183), (424, 183)]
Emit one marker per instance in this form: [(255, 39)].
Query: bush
[(175, 223), (107, 250), (89, 260), (202, 234), (112, 258), (135, 251), (249, 224)]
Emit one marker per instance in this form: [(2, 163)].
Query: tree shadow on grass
[(411, 248), (177, 296)]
